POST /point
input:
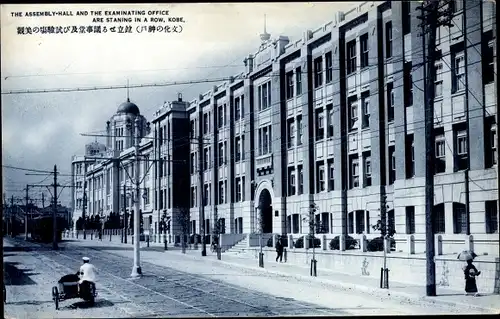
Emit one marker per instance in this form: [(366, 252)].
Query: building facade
[(336, 119)]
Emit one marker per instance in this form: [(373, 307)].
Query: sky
[(40, 130)]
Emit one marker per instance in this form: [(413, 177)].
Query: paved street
[(179, 287)]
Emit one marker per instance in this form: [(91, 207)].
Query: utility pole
[(125, 220), (43, 200), (312, 232), (26, 214), (495, 78), (384, 221), (202, 191), (9, 219), (136, 269), (84, 207), (466, 172), (54, 213), (430, 22)]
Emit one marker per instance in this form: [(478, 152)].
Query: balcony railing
[(264, 161)]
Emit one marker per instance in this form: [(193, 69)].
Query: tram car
[(41, 228)]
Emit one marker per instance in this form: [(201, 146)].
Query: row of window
[(294, 83), (119, 145), (164, 133), (265, 140), (459, 218), (460, 154), (460, 160), (358, 222), (294, 79), (98, 205), (239, 192), (119, 131), (222, 119), (295, 131), (458, 67), (79, 168), (239, 154)]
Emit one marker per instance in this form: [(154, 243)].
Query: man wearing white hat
[(87, 272)]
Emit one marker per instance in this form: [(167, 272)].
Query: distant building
[(99, 175), (335, 118)]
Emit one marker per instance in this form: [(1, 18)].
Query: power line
[(83, 89), (25, 169), (114, 87), (118, 72), (121, 86), (442, 123), (35, 170), (276, 112)]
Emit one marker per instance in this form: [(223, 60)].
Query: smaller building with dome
[(120, 129), (105, 169)]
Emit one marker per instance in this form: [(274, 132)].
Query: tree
[(313, 227), (384, 225), (220, 227), (387, 232), (79, 223)]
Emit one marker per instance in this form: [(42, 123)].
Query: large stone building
[(334, 119)]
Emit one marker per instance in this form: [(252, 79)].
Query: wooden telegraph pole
[(431, 12), (54, 213)]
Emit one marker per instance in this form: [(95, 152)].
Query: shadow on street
[(43, 247), (17, 249), (85, 304), (29, 302), (118, 248), (16, 276)]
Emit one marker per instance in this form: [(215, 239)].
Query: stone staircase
[(240, 248)]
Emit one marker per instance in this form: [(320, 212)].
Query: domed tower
[(121, 127), (95, 149)]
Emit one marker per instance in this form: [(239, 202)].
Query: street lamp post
[(83, 212), (136, 269), (259, 218), (312, 225)]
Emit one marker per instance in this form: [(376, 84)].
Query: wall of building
[(359, 153)]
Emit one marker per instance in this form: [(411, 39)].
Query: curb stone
[(383, 293), (424, 300)]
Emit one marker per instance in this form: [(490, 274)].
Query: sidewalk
[(408, 292)]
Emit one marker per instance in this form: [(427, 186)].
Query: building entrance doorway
[(266, 211)]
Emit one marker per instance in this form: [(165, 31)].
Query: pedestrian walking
[(471, 272), (279, 250)]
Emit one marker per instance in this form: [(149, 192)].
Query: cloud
[(40, 130)]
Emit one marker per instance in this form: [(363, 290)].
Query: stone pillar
[(411, 244), (363, 243), (439, 245), (324, 243), (469, 242), (290, 242)]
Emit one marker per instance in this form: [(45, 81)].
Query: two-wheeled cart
[(67, 288)]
